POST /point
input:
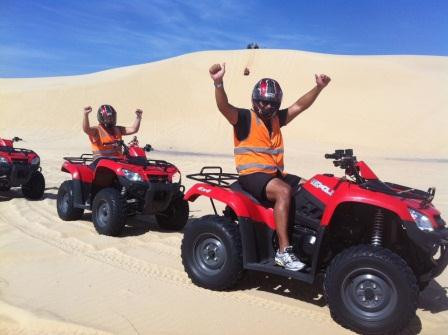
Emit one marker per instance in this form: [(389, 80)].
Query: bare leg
[(279, 192)]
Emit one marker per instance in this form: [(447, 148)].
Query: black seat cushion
[(237, 188)]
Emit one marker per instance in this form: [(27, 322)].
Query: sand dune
[(62, 278)]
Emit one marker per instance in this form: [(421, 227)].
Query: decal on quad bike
[(203, 189), (324, 188)]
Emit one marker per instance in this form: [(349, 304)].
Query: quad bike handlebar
[(133, 142), (344, 159), (16, 139)]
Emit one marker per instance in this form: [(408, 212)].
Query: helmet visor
[(266, 109)]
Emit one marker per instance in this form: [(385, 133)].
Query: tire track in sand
[(22, 215)]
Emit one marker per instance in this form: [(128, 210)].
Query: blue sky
[(62, 37)]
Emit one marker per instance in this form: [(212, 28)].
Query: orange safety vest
[(260, 151), (104, 143)]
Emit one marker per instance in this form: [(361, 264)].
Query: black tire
[(4, 188), (109, 212), (35, 187), (371, 290), (211, 252), (65, 205), (175, 216)]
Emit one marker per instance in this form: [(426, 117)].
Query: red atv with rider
[(20, 167), (115, 188), (375, 243)]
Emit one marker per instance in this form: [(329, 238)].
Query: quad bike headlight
[(35, 161), (3, 160), (132, 176), (422, 221)]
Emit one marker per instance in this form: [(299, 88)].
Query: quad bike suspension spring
[(378, 228)]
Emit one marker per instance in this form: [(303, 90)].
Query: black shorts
[(255, 183)]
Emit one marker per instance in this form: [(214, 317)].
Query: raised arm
[(136, 126), (307, 100), (85, 121), (230, 112)]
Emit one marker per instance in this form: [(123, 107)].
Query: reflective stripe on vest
[(261, 151), (104, 144), (244, 150)]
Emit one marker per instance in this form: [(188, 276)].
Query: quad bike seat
[(238, 188)]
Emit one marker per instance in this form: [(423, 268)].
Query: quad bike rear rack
[(81, 159), (213, 175)]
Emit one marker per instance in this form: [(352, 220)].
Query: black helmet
[(267, 90), (107, 115)]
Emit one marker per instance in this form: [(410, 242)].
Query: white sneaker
[(288, 260)]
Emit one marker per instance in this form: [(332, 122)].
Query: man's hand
[(87, 110), (322, 80), (139, 113), (217, 72)]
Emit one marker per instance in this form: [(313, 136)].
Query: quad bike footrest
[(271, 267)]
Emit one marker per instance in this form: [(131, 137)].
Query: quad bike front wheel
[(35, 187), (65, 203), (175, 216), (109, 212), (371, 290), (211, 252)]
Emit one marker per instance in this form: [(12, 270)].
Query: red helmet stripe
[(263, 88)]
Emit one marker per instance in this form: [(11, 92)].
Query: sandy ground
[(61, 277)]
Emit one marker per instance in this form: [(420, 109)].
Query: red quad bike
[(376, 243), (20, 167), (115, 188)]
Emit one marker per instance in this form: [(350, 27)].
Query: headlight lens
[(3, 160), (35, 161), (422, 221), (132, 176)]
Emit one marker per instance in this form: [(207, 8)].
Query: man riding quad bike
[(20, 167), (375, 243), (114, 188)]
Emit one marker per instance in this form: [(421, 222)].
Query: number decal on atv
[(317, 184)]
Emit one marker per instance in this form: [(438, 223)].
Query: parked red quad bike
[(20, 167), (120, 187), (375, 243)]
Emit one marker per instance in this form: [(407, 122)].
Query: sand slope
[(62, 278)]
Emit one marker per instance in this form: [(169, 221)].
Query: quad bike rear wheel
[(65, 203), (4, 187), (175, 216), (35, 187), (371, 290), (211, 252), (109, 212)]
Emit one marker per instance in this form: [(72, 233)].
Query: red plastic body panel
[(86, 174), (78, 171), (365, 171), (240, 204), (331, 191), (135, 151), (5, 143), (19, 156)]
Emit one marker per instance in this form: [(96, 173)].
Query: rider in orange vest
[(258, 149), (104, 137)]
